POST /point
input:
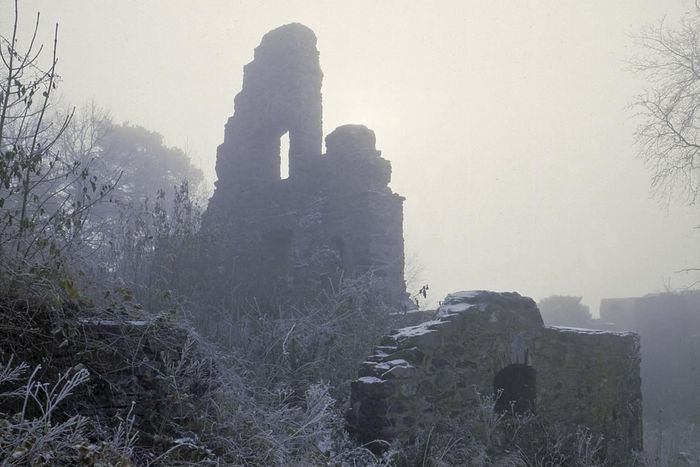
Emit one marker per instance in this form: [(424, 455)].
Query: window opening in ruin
[(284, 156), (515, 389)]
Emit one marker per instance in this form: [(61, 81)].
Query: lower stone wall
[(592, 379), (421, 374), (429, 376)]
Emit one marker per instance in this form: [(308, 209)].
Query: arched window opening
[(515, 389), (284, 156)]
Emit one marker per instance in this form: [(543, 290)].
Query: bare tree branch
[(669, 109)]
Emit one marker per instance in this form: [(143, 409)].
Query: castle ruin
[(334, 216)]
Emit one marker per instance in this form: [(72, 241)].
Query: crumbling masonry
[(333, 216), (422, 378)]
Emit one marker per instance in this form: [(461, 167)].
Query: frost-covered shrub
[(37, 433), (507, 439)]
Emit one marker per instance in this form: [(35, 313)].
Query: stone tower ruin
[(334, 216)]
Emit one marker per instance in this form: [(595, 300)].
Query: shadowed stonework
[(481, 343), (334, 216)]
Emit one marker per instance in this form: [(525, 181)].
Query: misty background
[(506, 123)]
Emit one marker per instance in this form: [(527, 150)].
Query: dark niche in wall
[(515, 389)]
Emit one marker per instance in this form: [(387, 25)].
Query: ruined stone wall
[(592, 378), (424, 373), (334, 216), (482, 342), (281, 93)]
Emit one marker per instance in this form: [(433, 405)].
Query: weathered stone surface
[(422, 375), (281, 93), (592, 379), (335, 214)]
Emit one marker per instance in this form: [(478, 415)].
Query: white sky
[(506, 122)]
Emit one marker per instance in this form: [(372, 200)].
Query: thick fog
[(506, 123)]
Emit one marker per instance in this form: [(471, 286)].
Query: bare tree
[(669, 132), (45, 196)]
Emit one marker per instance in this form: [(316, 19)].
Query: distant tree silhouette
[(144, 164), (561, 310)]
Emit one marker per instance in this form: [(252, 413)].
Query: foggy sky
[(506, 123)]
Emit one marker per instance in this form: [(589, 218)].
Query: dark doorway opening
[(515, 389)]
